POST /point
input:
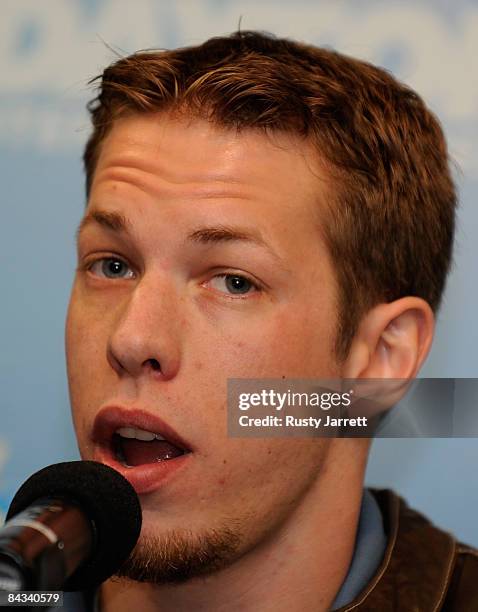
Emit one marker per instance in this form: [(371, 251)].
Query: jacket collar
[(417, 563)]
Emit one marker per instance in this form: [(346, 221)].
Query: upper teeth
[(139, 434)]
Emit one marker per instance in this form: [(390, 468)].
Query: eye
[(111, 267), (234, 284)]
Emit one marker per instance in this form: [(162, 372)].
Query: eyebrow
[(223, 233), (113, 221), (118, 223)]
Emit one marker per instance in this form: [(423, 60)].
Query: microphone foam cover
[(105, 497)]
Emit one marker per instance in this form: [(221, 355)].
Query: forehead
[(193, 155)]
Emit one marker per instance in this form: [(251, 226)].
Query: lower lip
[(143, 478)]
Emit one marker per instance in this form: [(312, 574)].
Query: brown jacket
[(424, 568)]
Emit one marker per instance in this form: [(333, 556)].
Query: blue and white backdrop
[(49, 50)]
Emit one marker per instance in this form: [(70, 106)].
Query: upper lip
[(111, 418)]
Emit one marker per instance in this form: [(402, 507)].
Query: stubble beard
[(181, 555)]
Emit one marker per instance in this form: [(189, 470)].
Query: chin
[(180, 555)]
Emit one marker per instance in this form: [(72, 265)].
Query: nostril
[(154, 363)]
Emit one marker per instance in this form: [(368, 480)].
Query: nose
[(144, 340)]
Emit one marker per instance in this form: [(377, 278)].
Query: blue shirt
[(370, 545)]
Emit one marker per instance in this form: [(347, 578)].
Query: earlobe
[(392, 341)]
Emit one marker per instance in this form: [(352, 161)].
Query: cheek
[(82, 352), (287, 344), (85, 333), (303, 339), (75, 328), (85, 358), (268, 475)]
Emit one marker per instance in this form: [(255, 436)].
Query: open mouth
[(133, 447), (140, 445)]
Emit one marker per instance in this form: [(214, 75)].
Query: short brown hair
[(390, 227)]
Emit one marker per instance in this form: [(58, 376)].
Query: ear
[(392, 341)]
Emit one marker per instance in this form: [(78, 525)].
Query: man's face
[(203, 261)]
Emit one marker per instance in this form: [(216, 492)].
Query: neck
[(299, 567)]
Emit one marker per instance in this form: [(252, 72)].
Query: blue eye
[(234, 284), (238, 284), (111, 267)]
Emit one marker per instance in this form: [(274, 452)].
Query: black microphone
[(69, 527)]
